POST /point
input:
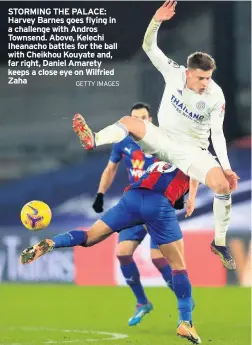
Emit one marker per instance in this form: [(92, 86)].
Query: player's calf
[(164, 268), (73, 238), (131, 274), (174, 252), (217, 181)]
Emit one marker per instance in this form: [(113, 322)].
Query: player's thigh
[(163, 232), (155, 250), (125, 213), (202, 162), (154, 247), (154, 141), (174, 253), (160, 219), (193, 161)]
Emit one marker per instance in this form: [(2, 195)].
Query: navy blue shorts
[(144, 206), (136, 233)]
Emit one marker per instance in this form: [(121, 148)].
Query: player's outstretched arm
[(157, 57), (219, 143), (190, 203), (107, 179)]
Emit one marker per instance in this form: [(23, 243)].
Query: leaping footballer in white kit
[(192, 106)]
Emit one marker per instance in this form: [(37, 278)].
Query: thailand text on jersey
[(183, 112), (136, 160), (165, 179)]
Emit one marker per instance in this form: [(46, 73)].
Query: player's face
[(141, 113), (198, 80)]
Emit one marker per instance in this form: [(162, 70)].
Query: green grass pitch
[(68, 314)]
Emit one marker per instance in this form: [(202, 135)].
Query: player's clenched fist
[(166, 11)]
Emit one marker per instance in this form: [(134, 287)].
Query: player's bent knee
[(126, 247), (222, 188), (127, 121), (135, 126), (217, 181)]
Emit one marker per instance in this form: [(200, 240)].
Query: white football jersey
[(185, 113)]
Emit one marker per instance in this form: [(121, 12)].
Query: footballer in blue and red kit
[(137, 162), (150, 201)]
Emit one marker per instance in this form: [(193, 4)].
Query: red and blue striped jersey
[(164, 179), (136, 160)]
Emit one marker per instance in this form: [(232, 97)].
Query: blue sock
[(183, 291), (165, 269), (70, 239), (131, 274)]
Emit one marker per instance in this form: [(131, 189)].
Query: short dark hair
[(202, 61), (141, 105)]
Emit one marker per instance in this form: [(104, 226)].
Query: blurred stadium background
[(41, 158)]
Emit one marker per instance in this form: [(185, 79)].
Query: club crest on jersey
[(200, 105), (183, 110)]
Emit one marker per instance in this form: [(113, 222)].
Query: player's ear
[(150, 119)]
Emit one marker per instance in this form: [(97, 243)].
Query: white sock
[(111, 134), (222, 211)]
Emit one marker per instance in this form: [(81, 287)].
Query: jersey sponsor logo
[(137, 164), (137, 173), (137, 160), (183, 110)]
